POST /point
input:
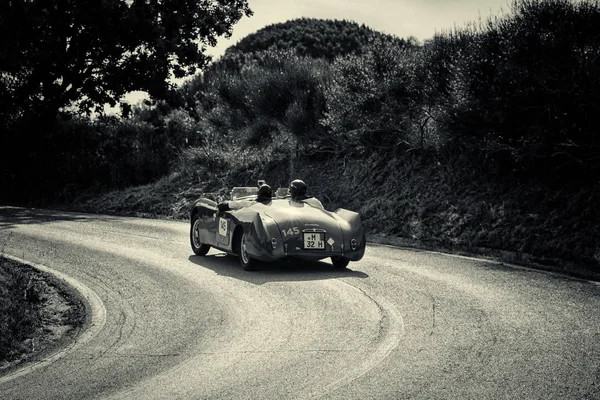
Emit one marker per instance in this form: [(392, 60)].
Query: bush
[(527, 84)]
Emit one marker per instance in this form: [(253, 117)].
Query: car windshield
[(281, 193), (243, 191)]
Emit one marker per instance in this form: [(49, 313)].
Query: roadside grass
[(170, 198), (36, 313), (152, 200), (20, 311)]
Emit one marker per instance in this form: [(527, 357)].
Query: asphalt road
[(400, 324)]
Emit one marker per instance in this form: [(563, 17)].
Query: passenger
[(265, 195)]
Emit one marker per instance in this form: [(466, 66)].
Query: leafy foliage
[(77, 154), (57, 52), (317, 38), (278, 98), (371, 97), (527, 85), (307, 37)]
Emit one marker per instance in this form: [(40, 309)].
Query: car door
[(224, 229)]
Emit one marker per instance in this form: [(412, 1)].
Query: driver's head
[(264, 192), (297, 189)]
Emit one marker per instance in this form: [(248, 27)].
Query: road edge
[(509, 258), (95, 318)]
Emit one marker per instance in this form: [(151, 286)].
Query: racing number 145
[(291, 231)]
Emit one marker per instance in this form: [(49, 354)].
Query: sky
[(403, 18)]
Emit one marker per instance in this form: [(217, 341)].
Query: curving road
[(400, 324)]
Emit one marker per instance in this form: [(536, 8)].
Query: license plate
[(314, 240)]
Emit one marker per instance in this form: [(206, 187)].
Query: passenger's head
[(264, 192), (297, 189)]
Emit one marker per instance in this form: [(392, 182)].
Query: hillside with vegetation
[(317, 38), (485, 136)]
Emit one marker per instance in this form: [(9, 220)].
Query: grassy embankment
[(36, 314), (413, 201)]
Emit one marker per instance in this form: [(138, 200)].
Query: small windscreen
[(243, 191), (282, 193)]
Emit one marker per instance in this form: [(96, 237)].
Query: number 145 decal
[(291, 231)]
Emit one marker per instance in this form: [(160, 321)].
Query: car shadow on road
[(279, 271)]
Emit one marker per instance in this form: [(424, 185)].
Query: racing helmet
[(264, 192), (297, 189)]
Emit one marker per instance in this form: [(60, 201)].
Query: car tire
[(339, 262), (199, 248), (248, 263)]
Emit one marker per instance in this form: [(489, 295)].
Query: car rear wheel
[(339, 262), (199, 248), (248, 263)]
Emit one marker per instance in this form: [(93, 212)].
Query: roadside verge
[(63, 340), (587, 272)]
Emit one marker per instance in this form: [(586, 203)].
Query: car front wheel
[(199, 248), (339, 262), (248, 263)]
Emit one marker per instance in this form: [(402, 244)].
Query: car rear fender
[(350, 220), (352, 230)]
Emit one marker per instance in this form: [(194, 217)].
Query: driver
[(298, 193), (298, 190)]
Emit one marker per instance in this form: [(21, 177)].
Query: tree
[(58, 52), (279, 92)]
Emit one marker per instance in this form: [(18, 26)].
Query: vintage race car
[(264, 231)]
